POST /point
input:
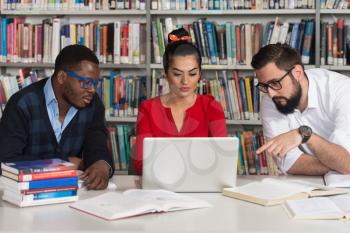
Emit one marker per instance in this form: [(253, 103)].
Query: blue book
[(244, 98), (198, 37), (294, 36), (121, 145), (113, 107), (212, 51), (3, 35), (308, 37), (36, 166), (39, 184)]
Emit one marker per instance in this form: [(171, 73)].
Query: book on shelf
[(271, 191), (230, 90), (335, 179), (334, 4), (120, 141), (234, 44), (28, 42), (317, 208), (192, 5), (334, 43), (37, 166), (122, 95), (88, 6), (114, 205)]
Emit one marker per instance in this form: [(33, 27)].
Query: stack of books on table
[(39, 182)]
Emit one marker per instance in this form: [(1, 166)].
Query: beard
[(291, 103)]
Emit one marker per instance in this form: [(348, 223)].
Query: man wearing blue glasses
[(61, 117), (305, 113)]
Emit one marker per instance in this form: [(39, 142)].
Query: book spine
[(41, 196), (39, 184), (47, 175)]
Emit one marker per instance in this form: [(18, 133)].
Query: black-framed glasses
[(86, 83), (273, 84)]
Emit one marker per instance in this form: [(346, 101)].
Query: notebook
[(190, 164)]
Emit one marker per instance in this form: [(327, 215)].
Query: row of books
[(39, 182), (249, 162), (229, 43), (334, 4), (238, 96), (335, 43), (230, 4), (58, 5), (118, 42), (121, 142), (122, 95), (10, 84)]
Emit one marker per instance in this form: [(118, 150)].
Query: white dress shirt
[(327, 113)]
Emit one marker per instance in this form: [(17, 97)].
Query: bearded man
[(305, 113)]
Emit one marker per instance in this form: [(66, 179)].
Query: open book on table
[(335, 179), (337, 207), (271, 191), (114, 205)]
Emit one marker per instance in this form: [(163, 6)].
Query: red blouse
[(204, 119)]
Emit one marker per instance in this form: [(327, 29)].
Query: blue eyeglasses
[(86, 83)]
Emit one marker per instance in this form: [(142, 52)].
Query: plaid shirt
[(26, 132)]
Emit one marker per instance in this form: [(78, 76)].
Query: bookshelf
[(184, 16)]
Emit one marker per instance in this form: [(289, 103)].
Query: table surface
[(226, 215)]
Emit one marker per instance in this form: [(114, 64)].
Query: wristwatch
[(305, 133)]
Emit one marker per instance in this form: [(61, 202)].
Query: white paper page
[(113, 205), (303, 186), (334, 179), (267, 190), (318, 207), (166, 200), (343, 202)]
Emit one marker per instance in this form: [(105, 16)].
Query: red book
[(235, 77), (125, 43)]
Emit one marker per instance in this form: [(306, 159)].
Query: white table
[(226, 215)]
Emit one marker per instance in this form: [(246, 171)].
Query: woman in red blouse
[(181, 112)]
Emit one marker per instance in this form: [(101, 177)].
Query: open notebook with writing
[(272, 191), (114, 205)]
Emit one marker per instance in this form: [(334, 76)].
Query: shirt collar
[(312, 96), (48, 91)]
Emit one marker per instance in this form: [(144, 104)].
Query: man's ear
[(298, 72), (61, 77)]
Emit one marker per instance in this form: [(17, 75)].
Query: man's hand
[(281, 144), (96, 176)]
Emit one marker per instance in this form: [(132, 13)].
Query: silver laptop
[(190, 164)]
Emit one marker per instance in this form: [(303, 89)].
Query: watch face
[(305, 130)]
